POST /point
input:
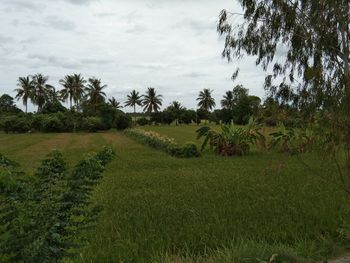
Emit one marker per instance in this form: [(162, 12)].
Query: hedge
[(163, 143)]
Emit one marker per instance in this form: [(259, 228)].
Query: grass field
[(213, 209)]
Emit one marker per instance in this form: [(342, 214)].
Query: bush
[(143, 121), (190, 150), (163, 143), (44, 216), (232, 141), (51, 123), (15, 124), (122, 121), (92, 124)]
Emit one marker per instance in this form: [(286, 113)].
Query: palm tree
[(73, 88), (206, 101), (42, 90), (25, 90), (115, 104), (94, 91), (134, 99), (228, 101), (176, 106), (151, 101), (68, 89), (79, 88)]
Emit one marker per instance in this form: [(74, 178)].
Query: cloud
[(5, 39), (194, 75), (23, 5), (80, 2), (196, 25), (95, 61), (53, 61), (60, 23), (105, 14)]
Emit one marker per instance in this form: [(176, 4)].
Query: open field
[(213, 209)]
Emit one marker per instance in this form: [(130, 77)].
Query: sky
[(171, 45)]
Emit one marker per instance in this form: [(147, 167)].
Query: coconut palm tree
[(68, 89), (79, 88), (73, 88), (25, 90), (151, 101), (134, 99), (176, 106), (115, 104), (42, 90), (205, 100), (228, 101), (94, 91)]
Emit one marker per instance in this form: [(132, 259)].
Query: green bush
[(142, 121), (232, 141), (41, 217), (51, 123), (15, 124), (92, 124), (163, 143), (122, 121), (190, 150)]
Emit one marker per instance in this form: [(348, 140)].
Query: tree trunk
[(26, 107), (135, 114)]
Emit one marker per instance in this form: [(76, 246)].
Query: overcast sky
[(171, 45)]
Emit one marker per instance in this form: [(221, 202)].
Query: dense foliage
[(168, 145), (42, 216), (231, 141), (313, 37)]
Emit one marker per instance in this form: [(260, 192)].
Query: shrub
[(41, 218), (163, 143), (92, 124), (231, 141), (122, 121), (142, 121), (15, 124), (190, 150), (292, 141), (51, 123)]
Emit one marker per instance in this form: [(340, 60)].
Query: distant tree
[(68, 89), (314, 36), (205, 100), (239, 92), (115, 104), (73, 88), (255, 103), (134, 99), (176, 109), (7, 104), (79, 88), (151, 101), (25, 90), (94, 91), (227, 102), (42, 90), (175, 106)]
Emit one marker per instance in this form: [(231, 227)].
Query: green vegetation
[(41, 216), (168, 145), (210, 209)]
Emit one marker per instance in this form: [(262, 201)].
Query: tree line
[(92, 110)]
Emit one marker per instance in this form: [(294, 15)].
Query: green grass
[(213, 209)]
